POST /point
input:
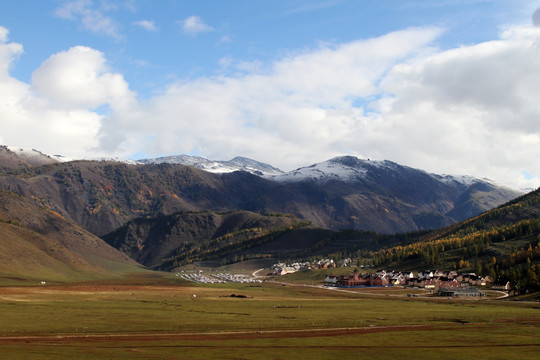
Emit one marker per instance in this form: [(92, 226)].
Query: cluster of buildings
[(445, 283), (283, 269)]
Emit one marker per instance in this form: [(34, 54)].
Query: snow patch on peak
[(344, 168), (239, 163), (466, 180), (35, 157)]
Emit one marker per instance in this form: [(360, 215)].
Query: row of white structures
[(221, 278)]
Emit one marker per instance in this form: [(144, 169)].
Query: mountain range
[(158, 211), (344, 192)]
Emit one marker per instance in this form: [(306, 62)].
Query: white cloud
[(54, 114), (146, 24), (90, 17), (469, 110), (194, 25), (78, 78), (472, 109), (298, 110), (8, 52), (3, 34)]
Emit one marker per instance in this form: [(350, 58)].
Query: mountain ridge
[(35, 157), (385, 197), (238, 163)]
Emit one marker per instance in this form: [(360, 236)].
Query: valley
[(111, 260)]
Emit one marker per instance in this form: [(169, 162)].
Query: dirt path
[(252, 334), (212, 335), (256, 273)]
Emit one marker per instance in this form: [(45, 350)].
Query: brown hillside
[(39, 242), (153, 240)]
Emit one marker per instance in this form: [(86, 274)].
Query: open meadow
[(174, 319)]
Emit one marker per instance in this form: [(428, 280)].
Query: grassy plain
[(169, 319)]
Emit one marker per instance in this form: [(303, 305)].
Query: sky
[(447, 86)]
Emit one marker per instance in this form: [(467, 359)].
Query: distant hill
[(503, 243), (40, 244)]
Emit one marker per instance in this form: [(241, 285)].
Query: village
[(437, 282), (443, 283)]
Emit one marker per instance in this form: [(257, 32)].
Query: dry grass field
[(148, 318)]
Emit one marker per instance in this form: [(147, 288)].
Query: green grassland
[(158, 318)]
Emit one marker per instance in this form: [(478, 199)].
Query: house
[(503, 287), (427, 274), (325, 264), (408, 275), (345, 262), (460, 292), (358, 279), (378, 280), (280, 271), (449, 284), (398, 279), (439, 274), (355, 280)]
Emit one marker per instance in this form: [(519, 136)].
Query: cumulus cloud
[(146, 24), (194, 25), (56, 112), (90, 17), (472, 109), (78, 78)]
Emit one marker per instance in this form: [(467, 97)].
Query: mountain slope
[(40, 244), (376, 192), (189, 235)]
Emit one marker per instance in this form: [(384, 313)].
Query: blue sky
[(445, 86)]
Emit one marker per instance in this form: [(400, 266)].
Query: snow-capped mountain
[(344, 192), (351, 170), (239, 163), (343, 168)]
